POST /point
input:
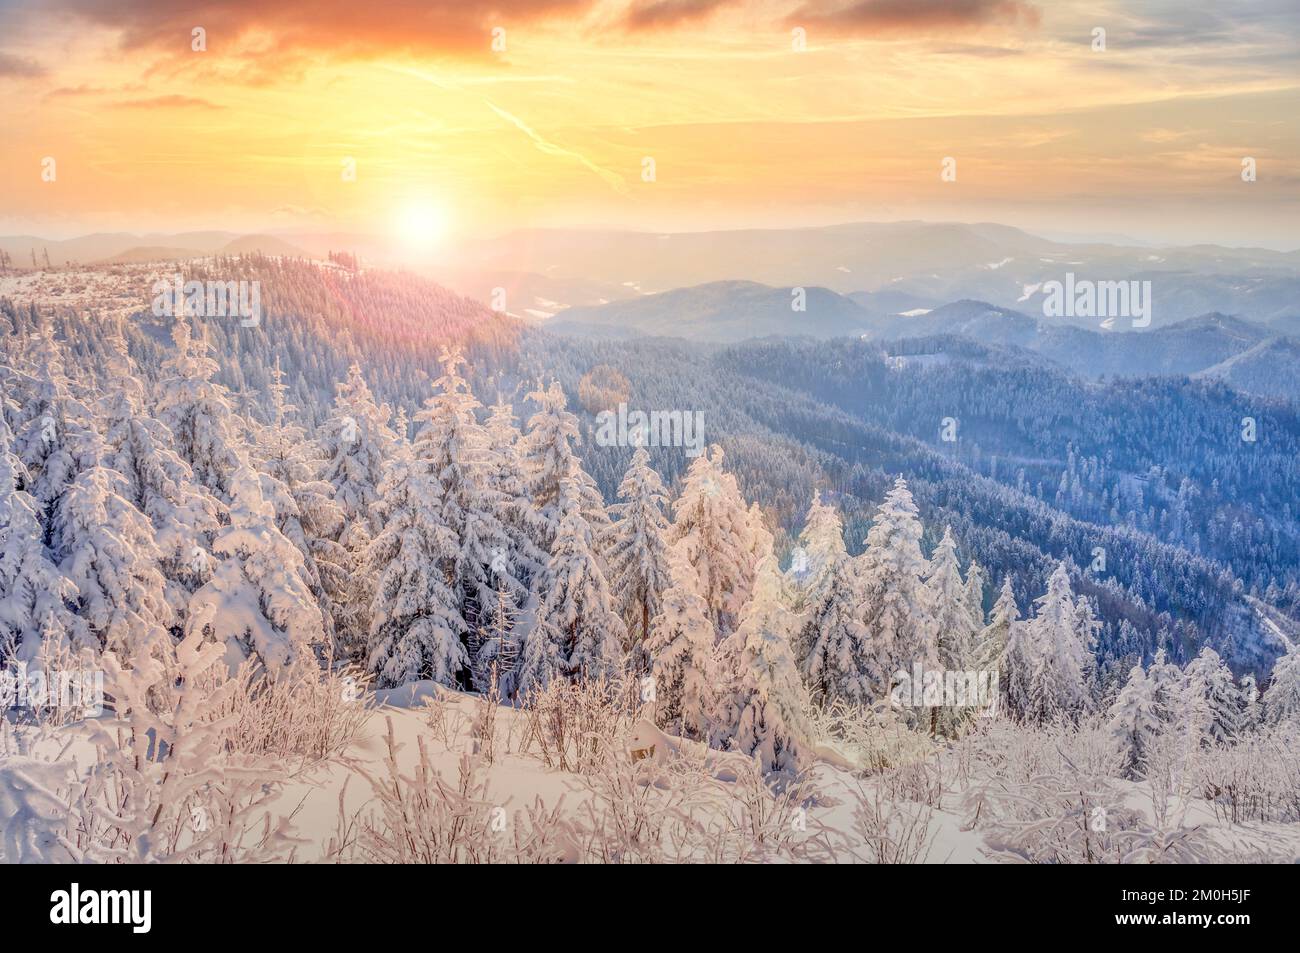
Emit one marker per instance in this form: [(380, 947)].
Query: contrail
[(615, 181), (612, 179)]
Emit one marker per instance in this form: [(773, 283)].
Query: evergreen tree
[(257, 602), (33, 591), (714, 531), (830, 643), (1049, 661), (1208, 676), (577, 631), (1282, 699), (949, 606), (637, 552), (681, 649), (183, 514), (197, 412), (1135, 721), (416, 628), (895, 611), (762, 709)]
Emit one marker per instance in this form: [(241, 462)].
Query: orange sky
[(1145, 138)]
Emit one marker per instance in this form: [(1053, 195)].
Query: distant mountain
[(974, 319), (141, 253), (1267, 368), (1248, 356), (905, 266), (266, 244), (723, 311)]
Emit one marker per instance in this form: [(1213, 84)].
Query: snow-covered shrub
[(161, 783), (1257, 779), (304, 713), (892, 831), (677, 810), (876, 739), (575, 725), (424, 818)]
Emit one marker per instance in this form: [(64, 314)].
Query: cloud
[(342, 28), (663, 14), (18, 67), (167, 102), (875, 17)]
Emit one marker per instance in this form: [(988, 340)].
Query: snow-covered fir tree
[(33, 591), (257, 602), (1282, 697), (994, 637), (577, 632), (1049, 661), (183, 513), (549, 459), (197, 412), (761, 707), (454, 448), (1135, 720), (305, 510), (681, 650), (1208, 676), (713, 528), (416, 627), (636, 551), (830, 643), (895, 605), (949, 606), (975, 594)]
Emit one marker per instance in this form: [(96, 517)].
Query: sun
[(421, 224)]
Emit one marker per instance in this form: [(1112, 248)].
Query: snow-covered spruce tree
[(762, 706), (975, 594), (453, 445), (55, 439), (196, 410), (1282, 696), (994, 637), (158, 482), (549, 459), (636, 551), (257, 602), (681, 647), (577, 633), (714, 531), (105, 548), (305, 511), (820, 544), (509, 479), (33, 591), (1251, 711), (357, 442), (948, 602), (416, 628), (1135, 721), (830, 643), (1049, 661), (949, 606), (1209, 676), (894, 609)]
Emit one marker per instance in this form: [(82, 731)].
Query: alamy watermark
[(40, 689), (176, 297), (937, 687), (1084, 298), (658, 428)]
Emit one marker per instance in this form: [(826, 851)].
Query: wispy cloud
[(614, 180)]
